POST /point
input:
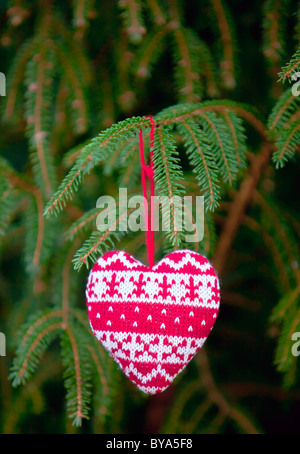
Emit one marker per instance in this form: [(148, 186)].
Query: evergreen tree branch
[(274, 25), (203, 160), (38, 96), (238, 207), (151, 50), (221, 144), (34, 344), (226, 31), (168, 176), (292, 67), (188, 65), (276, 255), (90, 156), (217, 397), (82, 9), (21, 183), (283, 110), (76, 375), (287, 144), (158, 14), (238, 137), (282, 235), (16, 77), (132, 18)]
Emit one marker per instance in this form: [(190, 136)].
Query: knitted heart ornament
[(152, 321)]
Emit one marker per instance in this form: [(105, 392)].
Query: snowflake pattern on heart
[(152, 321)]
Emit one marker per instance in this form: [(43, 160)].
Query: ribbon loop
[(148, 171)]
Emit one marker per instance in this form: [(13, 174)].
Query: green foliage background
[(82, 76)]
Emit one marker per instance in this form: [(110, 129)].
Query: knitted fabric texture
[(152, 321)]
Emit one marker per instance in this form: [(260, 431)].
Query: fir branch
[(65, 283), (76, 54), (104, 365), (202, 159), (132, 19), (192, 425), (37, 231), (70, 157), (78, 98), (226, 30), (285, 304), (124, 91), (157, 11), (188, 65), (107, 114), (38, 333), (275, 253), (39, 237), (92, 155), (179, 112), (151, 51), (96, 358), (39, 79), (286, 145), (292, 67), (36, 322), (99, 241), (239, 416), (284, 358), (15, 77), (129, 162), (283, 110), (18, 11), (221, 143), (82, 9), (122, 155), (209, 71), (274, 25), (132, 148), (237, 132), (282, 234), (168, 177), (185, 393), (81, 224), (81, 318), (175, 11), (97, 244), (76, 375), (131, 172), (239, 205), (7, 203)]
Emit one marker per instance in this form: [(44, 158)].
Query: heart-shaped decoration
[(152, 321)]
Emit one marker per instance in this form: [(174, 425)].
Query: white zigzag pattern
[(152, 389), (146, 378), (188, 258), (119, 255), (159, 348)]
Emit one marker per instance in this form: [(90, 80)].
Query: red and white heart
[(152, 321)]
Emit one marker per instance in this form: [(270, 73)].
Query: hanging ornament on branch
[(152, 320)]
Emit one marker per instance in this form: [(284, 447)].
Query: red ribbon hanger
[(148, 172)]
